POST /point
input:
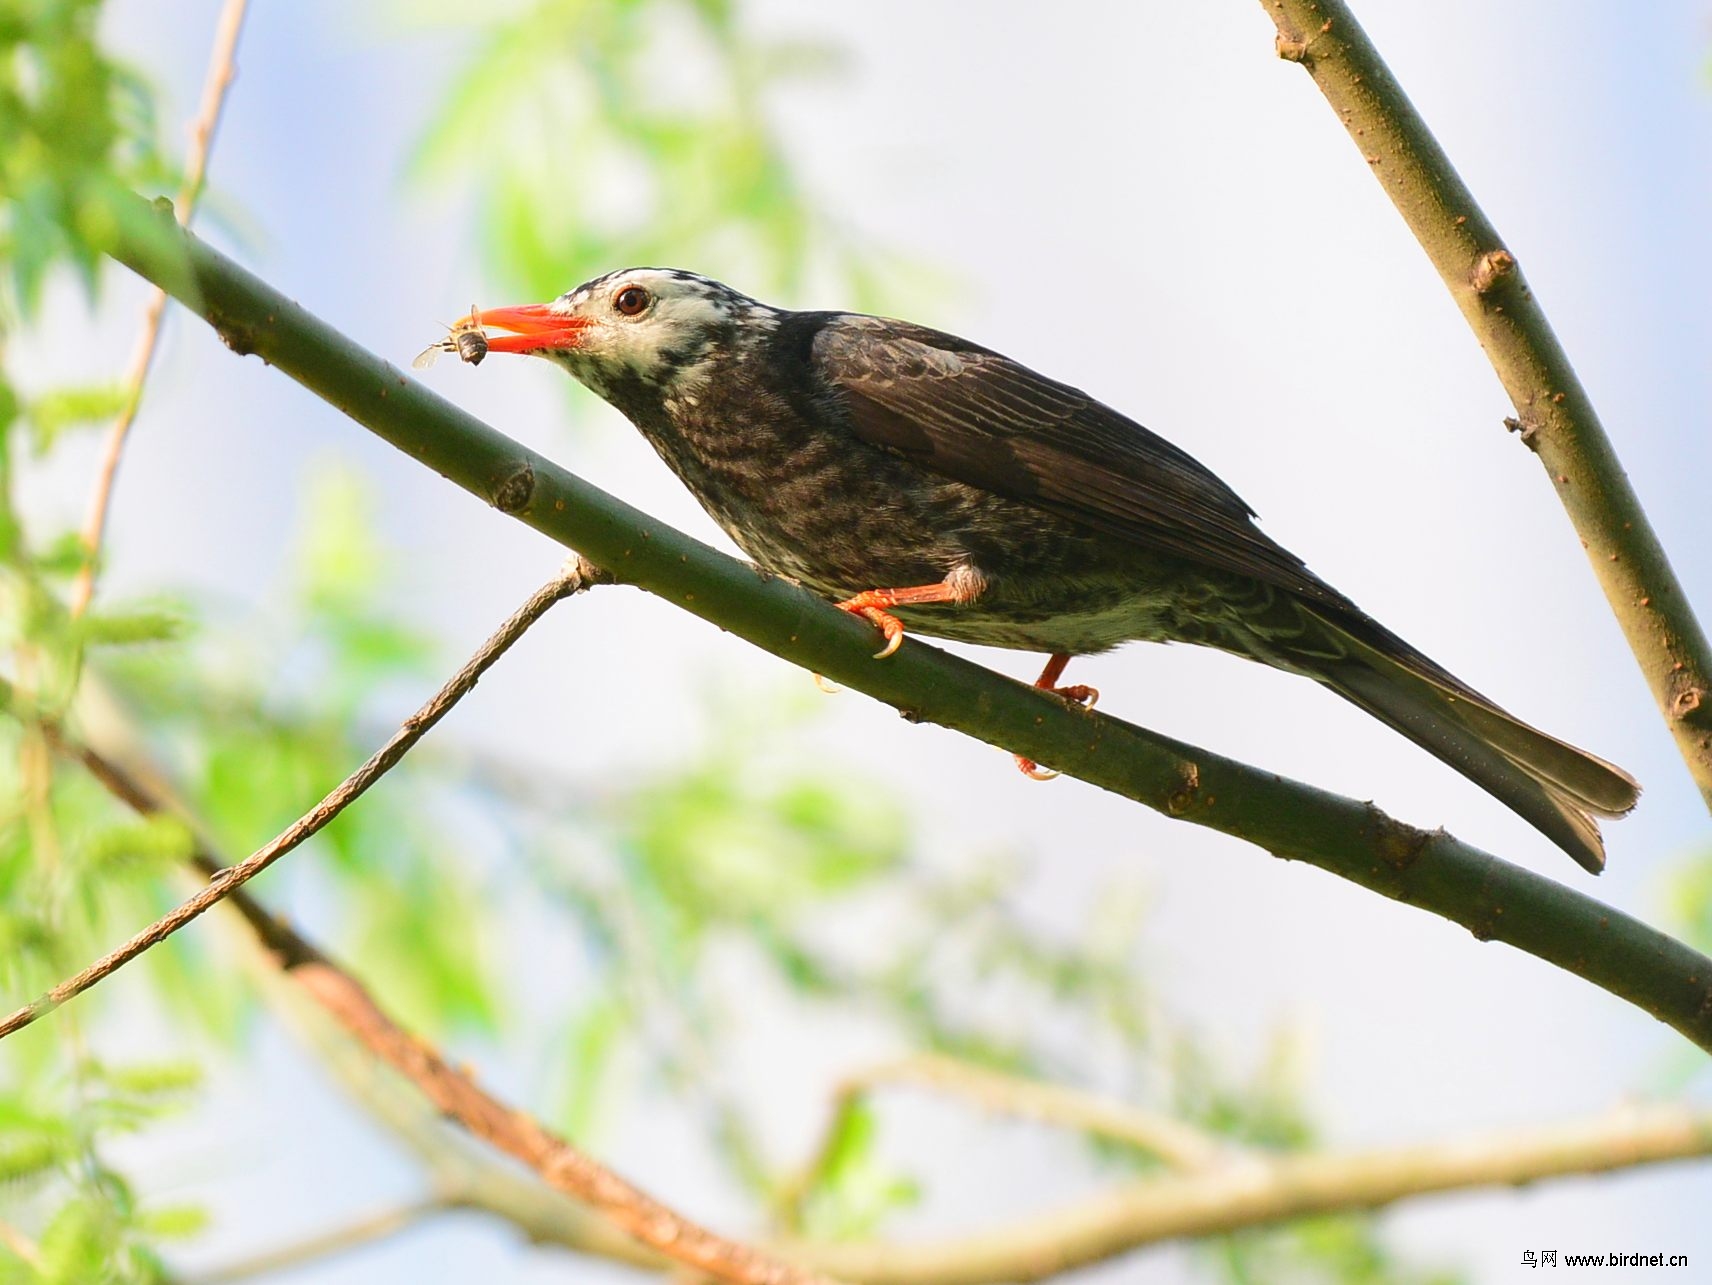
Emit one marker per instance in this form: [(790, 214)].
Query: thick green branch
[(1554, 415), (1355, 840)]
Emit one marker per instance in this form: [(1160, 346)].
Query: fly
[(466, 338)]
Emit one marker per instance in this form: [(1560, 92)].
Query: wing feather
[(980, 418)]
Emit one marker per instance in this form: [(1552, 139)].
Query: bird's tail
[(1554, 786)]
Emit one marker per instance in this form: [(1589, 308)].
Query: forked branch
[(1554, 414), (558, 1165), (226, 880)]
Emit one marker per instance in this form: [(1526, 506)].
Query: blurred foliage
[(690, 903), (601, 135), (76, 136), (79, 136), (1687, 897), (1317, 1250)]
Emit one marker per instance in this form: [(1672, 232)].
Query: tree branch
[(1242, 1190), (1171, 1141), (559, 1165), (1555, 416), (381, 1225), (21, 1246), (1176, 1144), (1354, 840), (1254, 1190), (1179, 1145), (223, 881), (221, 70)]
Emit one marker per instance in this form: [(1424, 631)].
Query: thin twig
[(1355, 840), (1554, 414), (339, 1240), (20, 1245), (572, 579), (1179, 1145), (221, 71)]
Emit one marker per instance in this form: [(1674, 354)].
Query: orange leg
[(1077, 693), (873, 604)]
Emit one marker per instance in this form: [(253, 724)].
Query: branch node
[(1188, 790), (1527, 431), (1398, 844), (1686, 702), (515, 490), (237, 335), (1491, 268), (580, 573), (1291, 50)]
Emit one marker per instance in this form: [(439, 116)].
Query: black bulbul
[(921, 480)]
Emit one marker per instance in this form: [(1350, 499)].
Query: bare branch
[(574, 578), (1555, 416), (1349, 838), (1252, 1191), (462, 1182), (221, 70), (1179, 1145), (20, 1246), (340, 1240)]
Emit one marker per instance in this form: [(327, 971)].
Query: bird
[(932, 485)]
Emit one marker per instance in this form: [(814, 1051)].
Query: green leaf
[(52, 413), (594, 1035), (147, 843), (29, 1159), (149, 1079), (855, 1192), (174, 1222), (153, 623)]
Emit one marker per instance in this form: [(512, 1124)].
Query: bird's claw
[(1077, 694), (831, 689), (1032, 770), (890, 626)]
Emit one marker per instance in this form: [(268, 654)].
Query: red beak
[(535, 327)]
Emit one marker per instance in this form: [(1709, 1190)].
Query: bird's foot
[(1076, 693), (1032, 770), (890, 627), (872, 604)]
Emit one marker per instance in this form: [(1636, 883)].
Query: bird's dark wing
[(980, 418)]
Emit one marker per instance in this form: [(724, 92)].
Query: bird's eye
[(631, 300)]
